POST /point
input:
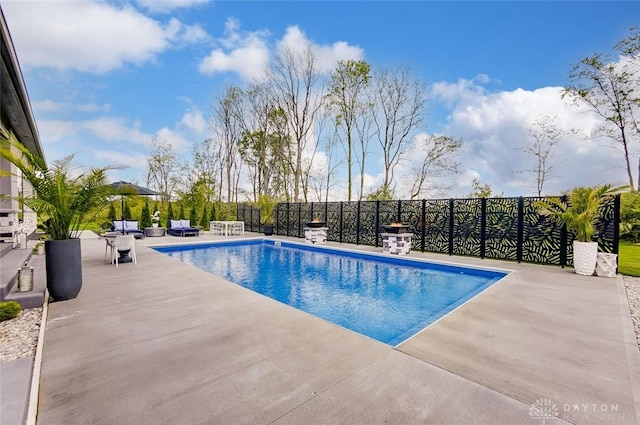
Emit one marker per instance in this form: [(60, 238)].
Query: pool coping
[(366, 255), (366, 384)]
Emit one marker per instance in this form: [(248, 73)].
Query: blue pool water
[(388, 299)]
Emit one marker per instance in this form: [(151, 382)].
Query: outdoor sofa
[(182, 228), (130, 228)]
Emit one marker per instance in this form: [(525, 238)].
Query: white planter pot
[(606, 264), (585, 255)]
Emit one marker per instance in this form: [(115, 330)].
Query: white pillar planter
[(606, 264), (584, 257)]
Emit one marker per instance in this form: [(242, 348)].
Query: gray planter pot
[(64, 268)]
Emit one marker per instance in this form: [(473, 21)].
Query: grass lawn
[(629, 259)]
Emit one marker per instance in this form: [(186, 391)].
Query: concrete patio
[(162, 342)]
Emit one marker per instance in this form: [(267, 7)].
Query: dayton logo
[(543, 409)]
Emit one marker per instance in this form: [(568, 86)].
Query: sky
[(106, 78)]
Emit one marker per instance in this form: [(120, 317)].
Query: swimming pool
[(385, 298)]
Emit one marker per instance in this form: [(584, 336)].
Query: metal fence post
[(299, 220), (520, 236), (358, 223), (340, 239), (451, 222), (377, 223), (616, 223), (288, 218), (423, 224), (483, 226)]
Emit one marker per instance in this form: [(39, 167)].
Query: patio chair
[(124, 243), (182, 228)]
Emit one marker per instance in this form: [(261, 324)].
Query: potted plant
[(267, 210), (579, 215), (67, 200)]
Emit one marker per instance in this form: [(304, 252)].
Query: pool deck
[(162, 342)]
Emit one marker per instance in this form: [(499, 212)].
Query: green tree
[(630, 216), (112, 212), (213, 215), (181, 214), (346, 98), (204, 221), (145, 217), (170, 215), (480, 190), (193, 216), (609, 90), (127, 211), (381, 194)]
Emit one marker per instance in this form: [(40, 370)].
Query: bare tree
[(226, 127), (320, 178), (545, 136), (608, 90), (398, 111), (206, 165), (294, 87), (346, 97), (164, 168), (439, 160)]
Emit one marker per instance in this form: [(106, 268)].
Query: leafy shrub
[(145, 217), (630, 216), (9, 310)]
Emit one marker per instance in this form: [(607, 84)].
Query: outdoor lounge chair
[(130, 228), (182, 228)]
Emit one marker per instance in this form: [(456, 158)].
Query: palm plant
[(65, 198), (581, 212), (267, 209)]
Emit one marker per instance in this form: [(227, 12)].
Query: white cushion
[(131, 225), (185, 224), (175, 224), (117, 225)]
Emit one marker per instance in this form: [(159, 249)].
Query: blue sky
[(106, 77)]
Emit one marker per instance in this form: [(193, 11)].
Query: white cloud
[(194, 121), (90, 36), (245, 53), (177, 140), (494, 125), (53, 106), (52, 131), (116, 130), (327, 56), (166, 6), (248, 52), (121, 158)]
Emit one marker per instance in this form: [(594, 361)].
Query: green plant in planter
[(67, 199), (579, 215), (267, 209), (581, 212), (9, 310)]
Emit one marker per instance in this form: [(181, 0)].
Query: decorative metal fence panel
[(499, 228)]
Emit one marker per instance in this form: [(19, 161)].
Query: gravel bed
[(19, 336), (632, 285)]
